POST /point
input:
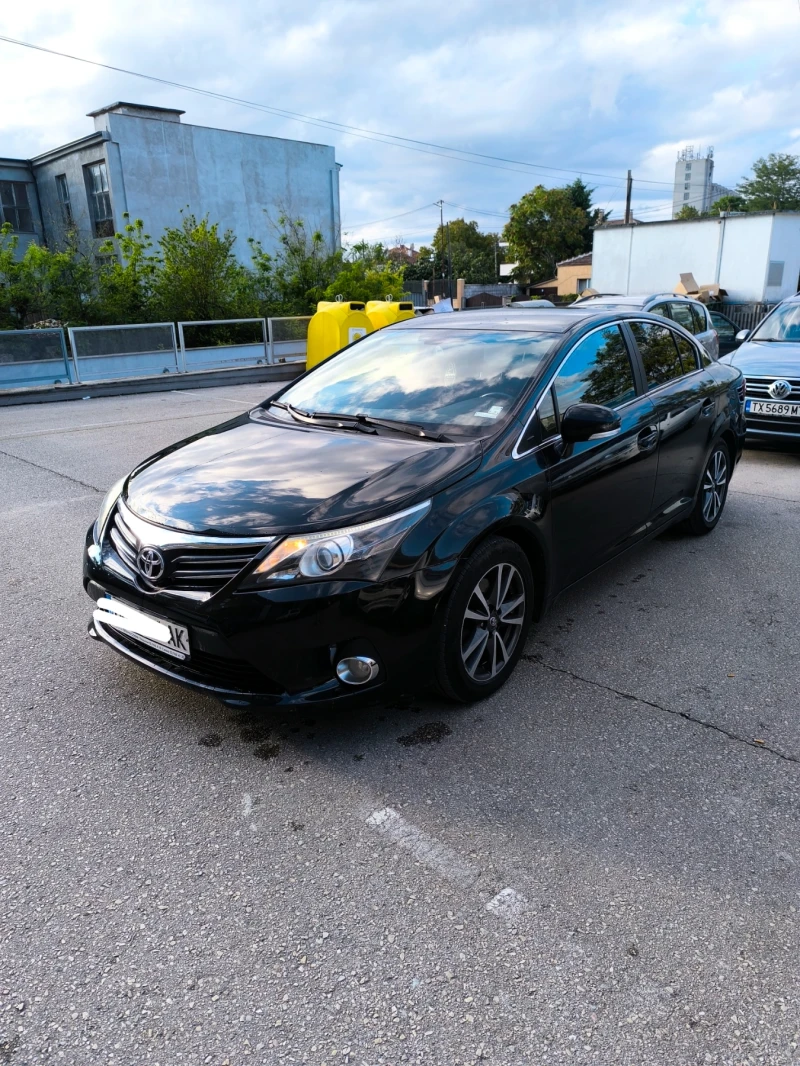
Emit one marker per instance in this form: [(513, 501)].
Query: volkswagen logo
[(779, 390), (150, 562)]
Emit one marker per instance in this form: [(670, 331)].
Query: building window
[(62, 192), (14, 206), (583, 284), (686, 186), (96, 177), (775, 275), (686, 196)]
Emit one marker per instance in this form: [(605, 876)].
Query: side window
[(682, 314), (699, 316), (659, 354), (660, 309), (688, 354), (548, 423), (598, 370), (726, 329)]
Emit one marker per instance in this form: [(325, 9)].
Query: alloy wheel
[(493, 622), (715, 482)]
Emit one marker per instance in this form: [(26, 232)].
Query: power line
[(363, 225), (409, 143)]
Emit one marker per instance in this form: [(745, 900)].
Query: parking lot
[(599, 864)]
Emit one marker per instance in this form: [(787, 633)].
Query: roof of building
[(577, 260), (550, 283), (137, 107)]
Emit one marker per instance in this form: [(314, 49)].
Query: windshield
[(461, 382), (782, 325)]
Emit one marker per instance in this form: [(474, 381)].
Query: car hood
[(767, 359), (252, 478)]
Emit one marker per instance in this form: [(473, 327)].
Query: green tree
[(775, 184), (545, 227), (729, 203), (688, 211), (293, 280), (367, 273), (44, 284), (199, 276), (581, 196), (128, 275)]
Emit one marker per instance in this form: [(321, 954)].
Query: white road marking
[(247, 805), (507, 904), (424, 847)]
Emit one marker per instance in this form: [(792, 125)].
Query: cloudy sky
[(587, 87)]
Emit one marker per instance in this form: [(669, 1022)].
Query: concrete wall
[(157, 168), (70, 160), (733, 251)]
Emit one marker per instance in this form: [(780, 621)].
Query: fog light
[(356, 670)]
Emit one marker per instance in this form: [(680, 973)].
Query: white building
[(755, 257), (694, 181)]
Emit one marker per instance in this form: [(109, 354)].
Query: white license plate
[(159, 633), (781, 410)]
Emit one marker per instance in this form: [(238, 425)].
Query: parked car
[(397, 516), (726, 331), (689, 313), (540, 303), (769, 358)]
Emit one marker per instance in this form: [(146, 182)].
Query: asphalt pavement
[(599, 864)]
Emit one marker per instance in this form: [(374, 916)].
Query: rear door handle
[(707, 408), (647, 438)]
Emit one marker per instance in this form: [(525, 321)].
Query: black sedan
[(398, 516), (769, 358)]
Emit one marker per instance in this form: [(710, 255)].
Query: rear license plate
[(780, 410), (159, 633)]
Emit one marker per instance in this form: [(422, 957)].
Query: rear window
[(699, 315), (688, 354), (659, 353)]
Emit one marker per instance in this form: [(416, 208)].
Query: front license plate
[(159, 633), (781, 410)]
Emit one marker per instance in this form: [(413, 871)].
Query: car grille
[(758, 388), (193, 564), (216, 671)]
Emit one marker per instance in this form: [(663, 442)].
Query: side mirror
[(742, 336), (588, 421)]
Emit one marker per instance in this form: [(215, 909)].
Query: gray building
[(144, 161), (694, 181)]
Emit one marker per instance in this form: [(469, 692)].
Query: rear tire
[(485, 621), (713, 492)]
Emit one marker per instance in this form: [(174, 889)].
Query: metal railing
[(229, 349), (288, 338), (31, 358), (102, 353)]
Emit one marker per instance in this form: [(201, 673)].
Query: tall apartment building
[(144, 161), (694, 180)]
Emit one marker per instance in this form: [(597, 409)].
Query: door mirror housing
[(742, 336), (588, 421)]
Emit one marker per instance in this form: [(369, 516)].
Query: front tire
[(713, 492), (485, 622)]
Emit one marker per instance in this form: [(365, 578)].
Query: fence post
[(74, 354), (270, 342), (180, 363), (265, 333)]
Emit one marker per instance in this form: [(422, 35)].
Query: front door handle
[(707, 409), (648, 438)]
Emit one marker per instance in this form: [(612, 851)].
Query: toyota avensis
[(396, 517)]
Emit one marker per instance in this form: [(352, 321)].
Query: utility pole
[(628, 192), (449, 261)]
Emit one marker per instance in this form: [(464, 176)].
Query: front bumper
[(280, 647)]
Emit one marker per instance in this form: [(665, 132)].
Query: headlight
[(359, 552), (106, 507)]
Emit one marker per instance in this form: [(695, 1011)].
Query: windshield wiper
[(413, 429), (772, 340), (312, 417)]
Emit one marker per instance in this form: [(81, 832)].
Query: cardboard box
[(706, 293)]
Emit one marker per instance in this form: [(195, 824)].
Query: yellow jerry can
[(383, 312), (335, 325)]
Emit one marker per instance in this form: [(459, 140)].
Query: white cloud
[(600, 86)]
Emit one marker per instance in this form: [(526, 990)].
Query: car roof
[(637, 300), (548, 320), (520, 320)]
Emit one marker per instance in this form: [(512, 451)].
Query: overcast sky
[(592, 87)]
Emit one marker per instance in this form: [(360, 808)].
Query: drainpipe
[(720, 243), (630, 256)]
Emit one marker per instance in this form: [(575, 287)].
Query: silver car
[(690, 314)]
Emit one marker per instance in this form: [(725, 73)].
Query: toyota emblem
[(780, 389), (150, 562)]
